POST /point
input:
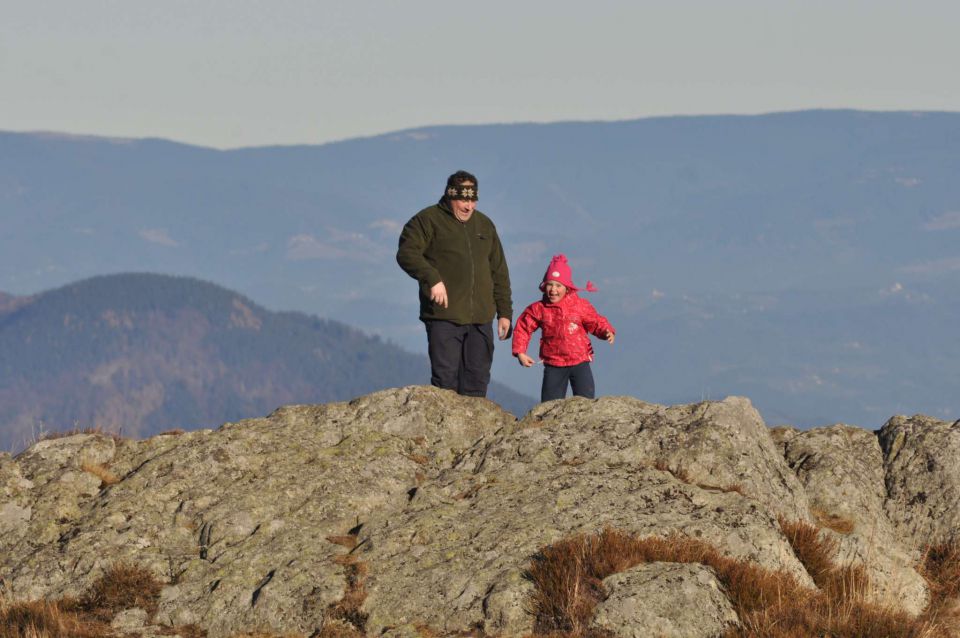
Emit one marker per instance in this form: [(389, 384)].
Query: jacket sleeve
[(595, 323), (501, 279), (414, 239), (528, 322)]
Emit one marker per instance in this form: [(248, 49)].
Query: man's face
[(463, 208)]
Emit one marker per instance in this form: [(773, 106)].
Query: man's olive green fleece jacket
[(466, 256)]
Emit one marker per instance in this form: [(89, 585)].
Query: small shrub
[(122, 586)]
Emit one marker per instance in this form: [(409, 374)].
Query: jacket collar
[(560, 303)]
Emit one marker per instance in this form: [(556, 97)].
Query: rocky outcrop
[(922, 477), (842, 471), (443, 500)]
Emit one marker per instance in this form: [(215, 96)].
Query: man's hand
[(525, 361), (438, 294), (610, 337), (503, 328)]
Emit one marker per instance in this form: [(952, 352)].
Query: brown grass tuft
[(941, 569), (679, 473), (46, 619), (814, 550), (837, 523), (173, 432), (348, 609), (102, 472), (122, 586), (345, 617), (568, 580), (347, 540), (419, 459)]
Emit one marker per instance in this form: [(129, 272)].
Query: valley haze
[(807, 259)]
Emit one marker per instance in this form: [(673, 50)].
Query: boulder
[(922, 477), (668, 600)]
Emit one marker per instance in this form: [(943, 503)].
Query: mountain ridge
[(144, 352), (667, 215)]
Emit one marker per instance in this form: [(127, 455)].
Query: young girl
[(567, 322)]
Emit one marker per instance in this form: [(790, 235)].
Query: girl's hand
[(525, 361), (610, 337)]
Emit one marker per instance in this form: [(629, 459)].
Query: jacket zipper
[(473, 292)]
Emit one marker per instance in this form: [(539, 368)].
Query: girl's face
[(554, 290)]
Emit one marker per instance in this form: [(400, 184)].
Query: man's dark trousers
[(460, 356)]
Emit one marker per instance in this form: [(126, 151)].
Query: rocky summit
[(264, 524)]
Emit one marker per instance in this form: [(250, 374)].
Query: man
[(453, 251)]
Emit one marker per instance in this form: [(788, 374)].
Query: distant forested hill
[(808, 260), (143, 353)]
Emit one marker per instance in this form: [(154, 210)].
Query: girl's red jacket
[(567, 326)]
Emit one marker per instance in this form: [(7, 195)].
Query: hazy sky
[(230, 73)]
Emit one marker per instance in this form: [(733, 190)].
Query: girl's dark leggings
[(555, 379)]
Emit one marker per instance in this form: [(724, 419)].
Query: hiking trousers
[(460, 356), (555, 379)]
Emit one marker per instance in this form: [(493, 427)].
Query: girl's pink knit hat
[(559, 270)]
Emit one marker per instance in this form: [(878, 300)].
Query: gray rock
[(238, 518), (841, 468), (444, 499), (130, 620), (573, 467), (922, 477), (721, 444), (669, 600)]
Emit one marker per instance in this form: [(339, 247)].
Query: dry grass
[(419, 459), (173, 432), (46, 619), (102, 472), (122, 586), (346, 540), (345, 617), (941, 569), (568, 585), (835, 522), (816, 553), (684, 477), (678, 473)]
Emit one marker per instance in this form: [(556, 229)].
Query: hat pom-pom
[(590, 287), (561, 258)]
